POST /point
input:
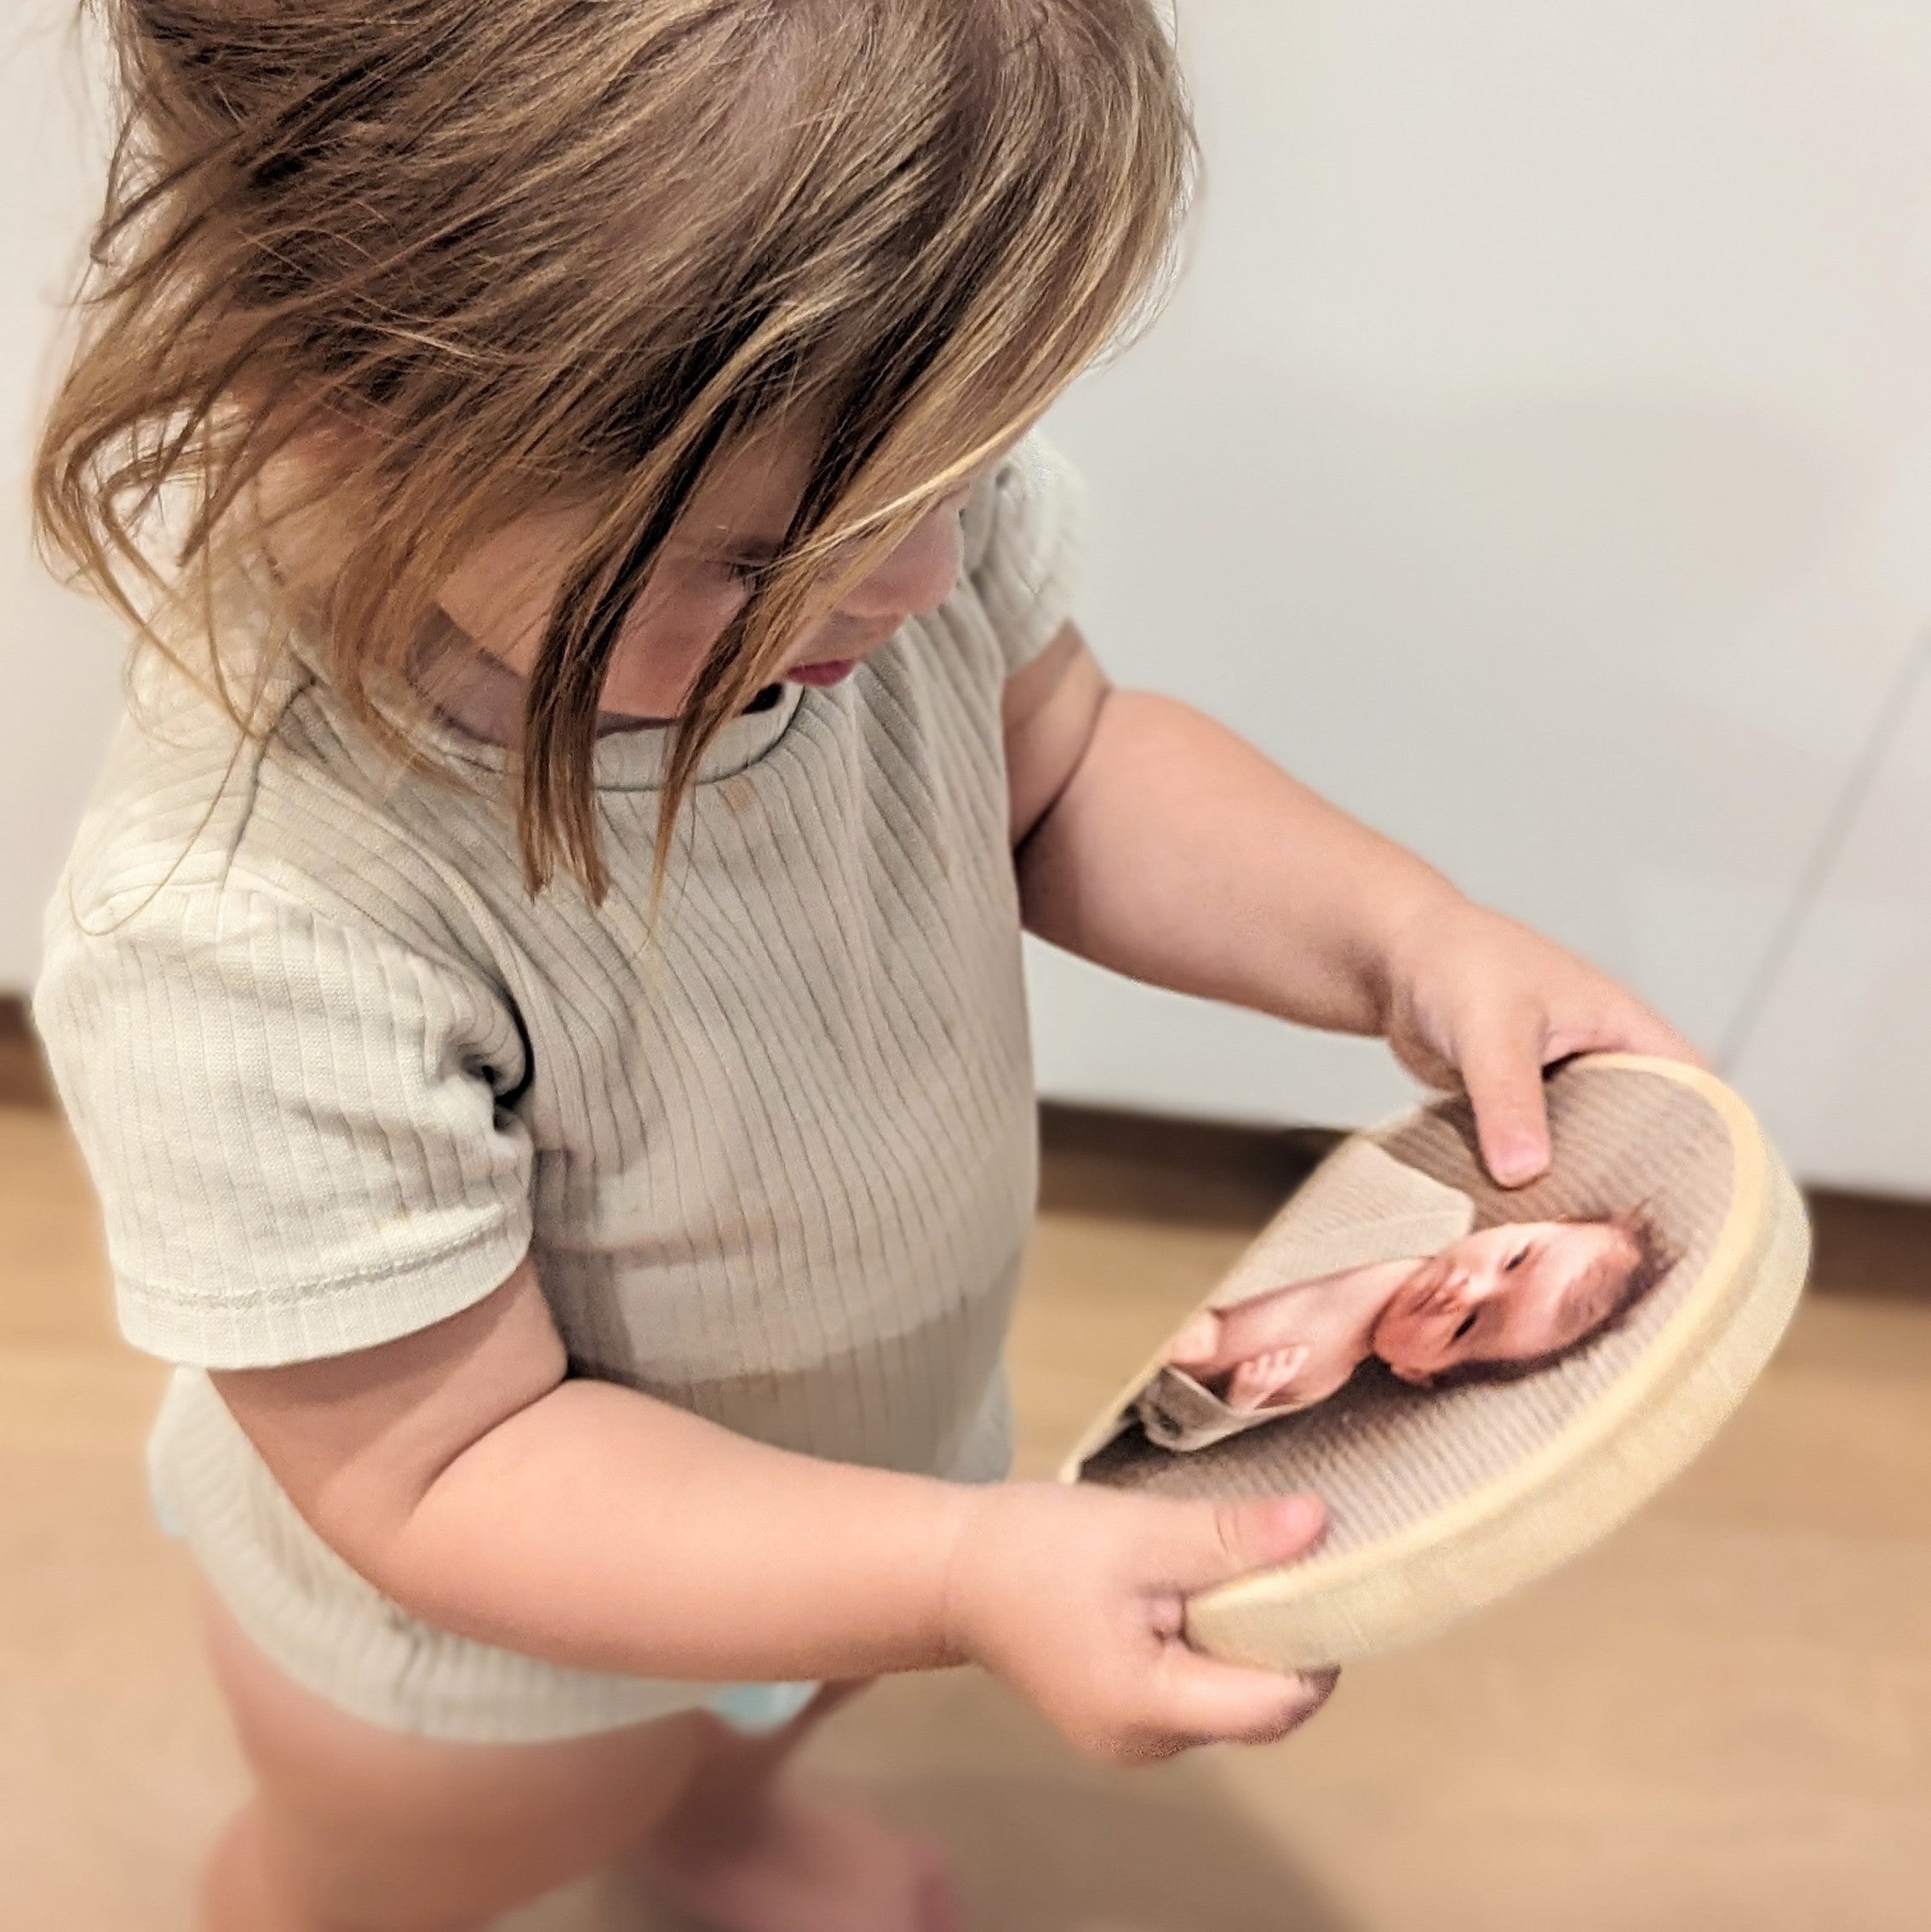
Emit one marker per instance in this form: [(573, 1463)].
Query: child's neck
[(483, 697)]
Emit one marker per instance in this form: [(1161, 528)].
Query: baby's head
[(1509, 1301), (654, 344)]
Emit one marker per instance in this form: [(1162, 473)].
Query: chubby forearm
[(600, 1529), (464, 1473), (1178, 854), (474, 1483)]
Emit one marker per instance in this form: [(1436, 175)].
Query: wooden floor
[(1721, 1721)]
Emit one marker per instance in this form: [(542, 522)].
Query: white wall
[(1834, 1059), (1538, 459), (59, 656)]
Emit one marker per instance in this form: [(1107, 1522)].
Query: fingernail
[(1517, 1164), (1299, 1516), (1309, 1691), (1319, 1687)]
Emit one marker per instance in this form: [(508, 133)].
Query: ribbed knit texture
[(334, 1073)]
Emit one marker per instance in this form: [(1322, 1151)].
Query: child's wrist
[(958, 1637), (1408, 920)]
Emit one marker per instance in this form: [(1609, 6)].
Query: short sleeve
[(295, 1126), (1024, 543)]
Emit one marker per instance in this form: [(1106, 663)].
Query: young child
[(539, 988)]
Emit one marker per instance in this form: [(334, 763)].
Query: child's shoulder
[(1024, 531), (1029, 504), (192, 819)]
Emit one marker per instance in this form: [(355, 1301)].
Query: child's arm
[(1155, 841), (462, 1473)]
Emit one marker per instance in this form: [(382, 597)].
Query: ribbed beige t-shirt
[(334, 1073)]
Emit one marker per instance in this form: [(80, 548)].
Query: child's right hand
[(1077, 1598)]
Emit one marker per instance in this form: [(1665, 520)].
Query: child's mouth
[(831, 671)]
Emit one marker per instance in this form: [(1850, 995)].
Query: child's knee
[(1198, 1342)]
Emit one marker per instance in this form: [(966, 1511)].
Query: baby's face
[(502, 595), (1505, 1294)]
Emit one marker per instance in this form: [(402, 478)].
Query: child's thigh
[(374, 1828)]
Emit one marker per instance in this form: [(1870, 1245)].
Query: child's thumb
[(1197, 1701), (1211, 1543)]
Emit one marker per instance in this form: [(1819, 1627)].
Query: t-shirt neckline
[(627, 758), (636, 758)]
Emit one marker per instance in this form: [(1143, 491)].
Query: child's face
[(1505, 1294), (501, 596)]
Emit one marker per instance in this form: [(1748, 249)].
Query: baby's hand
[(1475, 1000), (1077, 1597)]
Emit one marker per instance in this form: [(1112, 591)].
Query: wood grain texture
[(1721, 1718)]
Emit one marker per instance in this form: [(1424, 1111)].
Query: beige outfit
[(1360, 1208), (335, 1074)]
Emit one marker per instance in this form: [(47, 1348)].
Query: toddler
[(539, 986)]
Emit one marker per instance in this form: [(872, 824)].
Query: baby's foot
[(801, 1863), (1259, 1380), (1198, 1343)]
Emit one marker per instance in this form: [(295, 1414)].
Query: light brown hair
[(465, 258)]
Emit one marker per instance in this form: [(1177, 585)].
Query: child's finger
[(1195, 1546), (1500, 1063), (1645, 1032), (1197, 1700), (1628, 1027)]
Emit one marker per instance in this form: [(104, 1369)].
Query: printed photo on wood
[(1477, 1382)]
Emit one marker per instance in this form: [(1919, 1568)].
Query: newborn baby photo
[(1413, 1284), (1478, 1382)]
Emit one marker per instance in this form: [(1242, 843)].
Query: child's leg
[(744, 1848), (357, 1829), (1197, 1345)]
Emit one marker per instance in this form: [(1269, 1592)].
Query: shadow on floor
[(1060, 1855), (1047, 1854)]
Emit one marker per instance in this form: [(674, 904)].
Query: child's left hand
[(1475, 1000), (1153, 840)]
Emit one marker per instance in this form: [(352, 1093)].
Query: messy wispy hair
[(466, 258)]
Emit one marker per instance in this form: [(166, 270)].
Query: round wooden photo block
[(1478, 1383)]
